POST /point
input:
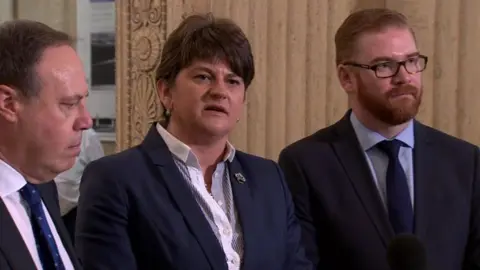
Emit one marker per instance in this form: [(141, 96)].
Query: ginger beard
[(391, 107)]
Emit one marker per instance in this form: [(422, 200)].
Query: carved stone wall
[(295, 91), (141, 31)]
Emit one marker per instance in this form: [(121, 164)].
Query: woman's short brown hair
[(204, 37)]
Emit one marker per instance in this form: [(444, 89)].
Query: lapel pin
[(240, 178)]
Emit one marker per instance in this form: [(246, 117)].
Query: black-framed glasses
[(387, 69)]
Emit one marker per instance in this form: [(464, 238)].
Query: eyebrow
[(389, 59), (75, 97), (209, 70), (202, 68)]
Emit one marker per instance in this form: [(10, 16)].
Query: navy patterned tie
[(400, 211), (47, 249)]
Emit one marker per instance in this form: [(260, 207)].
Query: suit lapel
[(48, 197), (242, 183), (425, 170), (157, 150), (358, 171), (11, 242)]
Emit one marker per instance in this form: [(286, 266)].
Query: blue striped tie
[(47, 249)]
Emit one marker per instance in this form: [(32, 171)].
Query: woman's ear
[(164, 94)]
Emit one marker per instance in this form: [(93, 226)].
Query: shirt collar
[(183, 151), (10, 180), (369, 138)]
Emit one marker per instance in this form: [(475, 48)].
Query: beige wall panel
[(468, 117), (296, 91), (59, 14), (444, 62), (239, 11), (360, 4), (277, 74), (317, 64), (296, 70), (6, 10), (257, 94)]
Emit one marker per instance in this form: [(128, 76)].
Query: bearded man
[(379, 173)]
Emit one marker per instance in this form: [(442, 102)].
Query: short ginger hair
[(361, 22)]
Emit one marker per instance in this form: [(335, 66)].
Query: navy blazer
[(137, 212), (345, 224), (14, 254)]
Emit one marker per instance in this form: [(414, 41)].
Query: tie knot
[(31, 194), (390, 148)]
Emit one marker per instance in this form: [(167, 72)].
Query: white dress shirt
[(218, 207), (11, 181), (68, 182)]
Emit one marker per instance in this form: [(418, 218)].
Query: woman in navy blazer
[(185, 198)]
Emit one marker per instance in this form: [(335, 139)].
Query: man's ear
[(10, 103), (346, 78), (164, 94)]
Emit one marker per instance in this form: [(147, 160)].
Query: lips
[(216, 108), (404, 90), (77, 145), (402, 94)]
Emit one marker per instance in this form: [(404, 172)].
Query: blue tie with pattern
[(47, 249), (400, 211)]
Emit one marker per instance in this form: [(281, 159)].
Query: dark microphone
[(406, 251)]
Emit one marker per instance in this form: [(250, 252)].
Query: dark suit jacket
[(137, 212), (70, 219), (345, 225), (14, 254)]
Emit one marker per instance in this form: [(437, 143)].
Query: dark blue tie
[(400, 211), (47, 249)]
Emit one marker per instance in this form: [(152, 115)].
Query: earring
[(167, 113)]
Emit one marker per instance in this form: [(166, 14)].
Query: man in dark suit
[(42, 115), (377, 172), (185, 198)]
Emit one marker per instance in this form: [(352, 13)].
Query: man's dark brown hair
[(22, 43), (361, 22), (204, 37)]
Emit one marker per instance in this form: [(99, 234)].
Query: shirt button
[(226, 231)]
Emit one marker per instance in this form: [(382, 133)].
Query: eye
[(234, 81), (385, 66), (412, 60), (202, 77), (69, 105)]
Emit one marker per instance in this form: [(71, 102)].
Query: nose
[(219, 90), (84, 120), (402, 76)]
